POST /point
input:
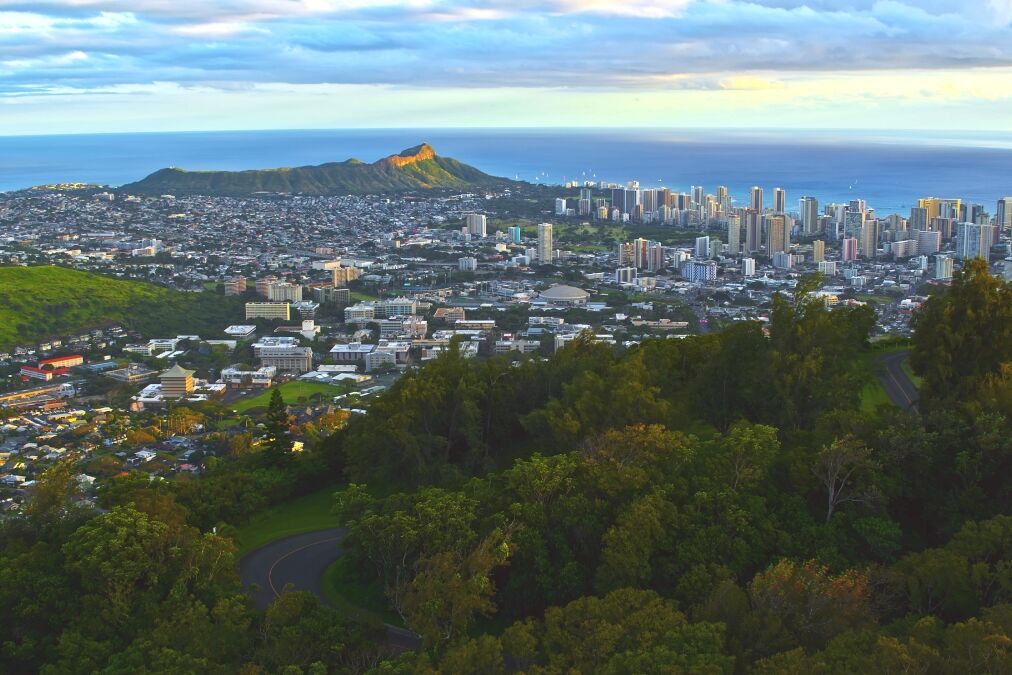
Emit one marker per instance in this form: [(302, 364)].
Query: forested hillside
[(718, 504), (38, 303)]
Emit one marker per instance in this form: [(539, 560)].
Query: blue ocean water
[(890, 170)]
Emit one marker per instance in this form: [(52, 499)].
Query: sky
[(84, 66)]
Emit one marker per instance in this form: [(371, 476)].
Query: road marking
[(270, 571), (888, 363)]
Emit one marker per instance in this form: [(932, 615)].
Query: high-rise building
[(702, 249), (1003, 214), (783, 261), (733, 234), (640, 249), (625, 254), (625, 275), (778, 234), (476, 224), (699, 270), (655, 257), (943, 267), (918, 218), (697, 194), (869, 238), (974, 241), (748, 267), (236, 285), (818, 251), (809, 211), (827, 267), (779, 200), (516, 233), (928, 242), (943, 225), (756, 200), (853, 223), (753, 230), (848, 249), (467, 264), (282, 291), (545, 243), (940, 208), (723, 198), (560, 206)]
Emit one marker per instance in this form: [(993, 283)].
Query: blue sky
[(71, 66)]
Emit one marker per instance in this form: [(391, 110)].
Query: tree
[(810, 604), (278, 435), (841, 467), (963, 336)]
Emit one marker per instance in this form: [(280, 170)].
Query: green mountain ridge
[(417, 168), (40, 303)]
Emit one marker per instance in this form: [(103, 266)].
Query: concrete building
[(476, 224), (699, 270), (929, 242), (943, 267), (818, 251), (268, 310), (284, 359), (545, 243), (848, 249), (282, 291), (467, 264), (177, 382), (808, 209), (748, 267), (975, 241)]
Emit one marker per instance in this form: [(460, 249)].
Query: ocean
[(889, 170)]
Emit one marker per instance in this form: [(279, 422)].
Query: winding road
[(895, 381), (301, 560)]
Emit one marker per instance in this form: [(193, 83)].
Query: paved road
[(301, 560), (895, 381)]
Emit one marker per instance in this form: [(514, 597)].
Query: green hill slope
[(38, 303), (416, 168)]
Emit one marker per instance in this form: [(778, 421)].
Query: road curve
[(301, 560), (895, 381)]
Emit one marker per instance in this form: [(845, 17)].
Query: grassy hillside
[(413, 169), (37, 303)]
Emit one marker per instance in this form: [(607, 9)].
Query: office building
[(974, 241), (756, 199), (177, 382), (779, 200), (818, 251), (748, 267), (848, 249), (853, 223), (268, 310), (545, 243), (287, 359), (809, 211)]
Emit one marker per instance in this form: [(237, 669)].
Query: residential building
[(476, 224), (818, 251), (545, 243), (848, 249), (975, 241), (943, 267), (748, 267), (282, 291)]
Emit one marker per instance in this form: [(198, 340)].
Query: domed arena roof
[(562, 293)]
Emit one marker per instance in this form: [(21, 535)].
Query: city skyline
[(81, 66)]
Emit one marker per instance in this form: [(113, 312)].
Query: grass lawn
[(359, 296), (290, 391), (303, 514), (872, 396), (358, 599), (916, 379)]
